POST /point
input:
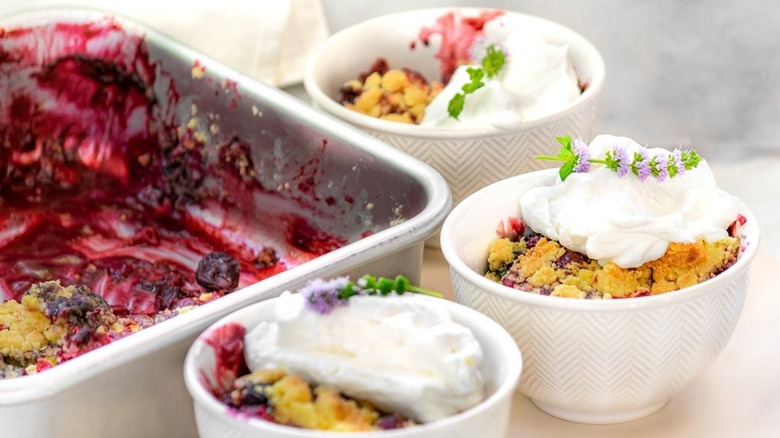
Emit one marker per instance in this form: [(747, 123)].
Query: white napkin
[(268, 40)]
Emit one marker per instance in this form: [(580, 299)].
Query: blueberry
[(168, 295), (532, 240), (218, 271), (394, 421), (254, 395), (568, 258)]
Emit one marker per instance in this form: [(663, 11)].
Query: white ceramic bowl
[(594, 361), (501, 369), (469, 159)]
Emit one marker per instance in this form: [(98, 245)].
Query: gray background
[(692, 73)]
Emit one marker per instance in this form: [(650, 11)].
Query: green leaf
[(690, 159), (402, 284), (493, 61), (491, 64), (611, 162), (672, 167), (565, 141), (566, 170), (472, 87), (476, 83), (475, 74), (455, 107)]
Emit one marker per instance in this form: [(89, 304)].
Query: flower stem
[(551, 158), (422, 291)]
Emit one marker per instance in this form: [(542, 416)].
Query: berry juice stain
[(227, 341), (97, 188), (457, 35)]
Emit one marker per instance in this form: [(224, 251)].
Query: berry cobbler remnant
[(382, 359), (114, 214), (620, 221)]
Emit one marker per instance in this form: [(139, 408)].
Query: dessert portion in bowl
[(309, 368), (621, 221), (493, 74), (616, 220), (342, 355)]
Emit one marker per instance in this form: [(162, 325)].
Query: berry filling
[(103, 189)]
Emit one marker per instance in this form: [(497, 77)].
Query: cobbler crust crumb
[(539, 265)]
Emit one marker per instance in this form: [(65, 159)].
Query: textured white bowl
[(501, 369), (594, 361), (469, 159)]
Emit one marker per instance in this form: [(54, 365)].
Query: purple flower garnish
[(660, 169), (678, 162), (323, 296), (576, 158), (582, 153), (641, 165), (623, 165)]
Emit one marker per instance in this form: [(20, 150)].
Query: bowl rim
[(320, 98), (506, 346), (457, 266)]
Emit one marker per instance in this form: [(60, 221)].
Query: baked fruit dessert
[(621, 221), (119, 206), (382, 359), (493, 74), (536, 264), (52, 324), (399, 95), (276, 396)]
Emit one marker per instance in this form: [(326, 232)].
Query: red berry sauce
[(99, 186)]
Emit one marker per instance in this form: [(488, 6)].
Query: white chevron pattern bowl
[(501, 368), (468, 159), (594, 361)]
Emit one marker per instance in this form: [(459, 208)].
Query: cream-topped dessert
[(537, 80), (533, 79), (342, 355), (628, 220), (620, 221), (402, 353)]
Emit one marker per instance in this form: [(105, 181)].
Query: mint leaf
[(455, 106), (493, 61), (490, 65), (566, 169)]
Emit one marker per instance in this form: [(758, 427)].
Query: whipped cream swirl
[(623, 219), (537, 80), (402, 353)]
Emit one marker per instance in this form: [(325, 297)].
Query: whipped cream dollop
[(403, 353), (626, 220), (537, 80)]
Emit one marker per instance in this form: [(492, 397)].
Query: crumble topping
[(536, 264), (390, 94)]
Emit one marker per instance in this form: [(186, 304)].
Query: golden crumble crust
[(547, 268), (52, 323), (295, 402), (25, 328), (502, 253), (398, 95), (684, 265)]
